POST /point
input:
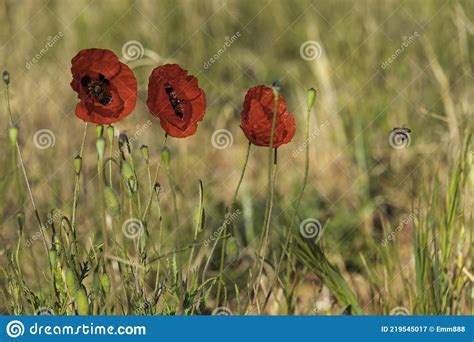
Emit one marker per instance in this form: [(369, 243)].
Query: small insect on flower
[(176, 99), (107, 88)]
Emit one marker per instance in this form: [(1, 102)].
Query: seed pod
[(310, 98), (77, 165), (99, 130), (6, 77), (82, 302), (13, 134)]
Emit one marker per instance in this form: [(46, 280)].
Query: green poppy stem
[(272, 165)]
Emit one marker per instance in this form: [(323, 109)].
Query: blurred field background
[(360, 188)]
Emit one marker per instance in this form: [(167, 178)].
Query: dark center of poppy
[(175, 102), (98, 89)]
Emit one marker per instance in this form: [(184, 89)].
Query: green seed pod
[(99, 130), (111, 201), (105, 282), (82, 302), (127, 170), (310, 98), (77, 165), (145, 152), (232, 250), (71, 282), (100, 144), (20, 218), (110, 133), (13, 134), (6, 77)]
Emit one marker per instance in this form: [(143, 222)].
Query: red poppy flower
[(257, 117), (176, 99), (106, 87)]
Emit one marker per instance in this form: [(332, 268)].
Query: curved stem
[(225, 225), (147, 208), (25, 175)]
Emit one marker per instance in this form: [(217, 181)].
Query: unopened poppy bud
[(124, 145), (13, 134), (127, 170), (20, 218), (6, 77), (110, 133), (145, 152), (82, 302), (77, 164), (70, 282), (100, 144), (99, 130), (111, 201), (105, 282), (310, 98)]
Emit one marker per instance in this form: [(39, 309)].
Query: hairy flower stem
[(223, 233), (272, 165), (76, 185)]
